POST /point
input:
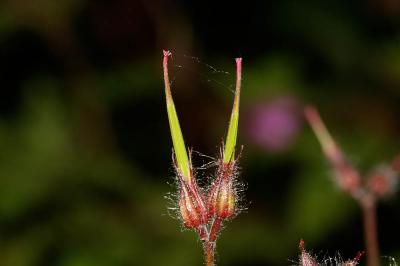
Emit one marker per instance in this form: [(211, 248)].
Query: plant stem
[(209, 243), (202, 232), (215, 227), (368, 205), (209, 252)]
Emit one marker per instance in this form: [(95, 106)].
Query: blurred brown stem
[(349, 181), (368, 205)]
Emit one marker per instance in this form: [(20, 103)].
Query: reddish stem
[(350, 181), (215, 227), (209, 252), (368, 205), (202, 232), (209, 243)]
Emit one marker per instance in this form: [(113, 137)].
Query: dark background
[(85, 149)]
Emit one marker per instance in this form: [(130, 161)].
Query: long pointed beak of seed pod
[(347, 176), (330, 148), (176, 133), (230, 143)]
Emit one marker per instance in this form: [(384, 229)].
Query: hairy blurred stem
[(368, 206), (215, 227), (209, 252), (209, 244)]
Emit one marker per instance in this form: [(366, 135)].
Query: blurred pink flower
[(273, 125)]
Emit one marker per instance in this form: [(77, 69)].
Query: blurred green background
[(85, 150)]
